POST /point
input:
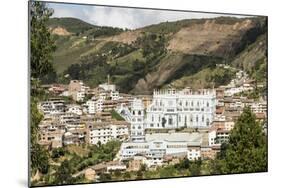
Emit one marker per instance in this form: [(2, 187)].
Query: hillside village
[(172, 99), (154, 130)]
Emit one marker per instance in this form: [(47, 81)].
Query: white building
[(157, 145), (77, 90), (104, 131), (108, 87), (67, 118), (114, 95), (52, 106), (76, 109), (91, 106), (186, 108), (137, 120), (259, 107)]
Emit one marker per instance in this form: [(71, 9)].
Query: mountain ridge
[(164, 52)]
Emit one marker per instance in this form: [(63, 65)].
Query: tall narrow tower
[(137, 121)]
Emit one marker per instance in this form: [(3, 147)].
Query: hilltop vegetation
[(72, 25), (179, 53)]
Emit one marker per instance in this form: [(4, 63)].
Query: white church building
[(185, 108), (171, 109)]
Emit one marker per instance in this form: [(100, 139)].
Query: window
[(191, 103), (203, 118), (179, 118), (207, 104), (191, 119), (208, 122), (139, 112), (196, 118), (133, 112), (170, 121), (152, 118)]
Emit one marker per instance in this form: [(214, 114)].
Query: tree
[(41, 43), (41, 46), (63, 174), (39, 156), (247, 147)]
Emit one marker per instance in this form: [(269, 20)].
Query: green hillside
[(181, 53), (72, 25)]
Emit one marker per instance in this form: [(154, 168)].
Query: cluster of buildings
[(155, 130), (87, 119)]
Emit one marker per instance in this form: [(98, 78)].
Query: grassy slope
[(72, 25)]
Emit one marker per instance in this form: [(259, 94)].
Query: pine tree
[(247, 147)]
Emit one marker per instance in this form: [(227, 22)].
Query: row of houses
[(59, 130)]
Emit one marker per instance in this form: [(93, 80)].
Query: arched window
[(185, 120), (139, 112), (133, 112), (186, 103), (203, 119), (191, 103), (207, 104), (152, 118), (170, 121), (179, 118), (197, 118), (197, 103)]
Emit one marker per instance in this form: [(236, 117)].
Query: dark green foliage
[(39, 156), (93, 69), (116, 116), (72, 25), (184, 164), (41, 43), (63, 174), (247, 146), (192, 64), (105, 177), (259, 71), (104, 31), (151, 44), (221, 76), (58, 152), (195, 167), (246, 150)]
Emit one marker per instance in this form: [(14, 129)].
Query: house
[(157, 145), (75, 109), (115, 166), (77, 90), (52, 106), (102, 132)]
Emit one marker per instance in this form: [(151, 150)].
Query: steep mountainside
[(159, 55)]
